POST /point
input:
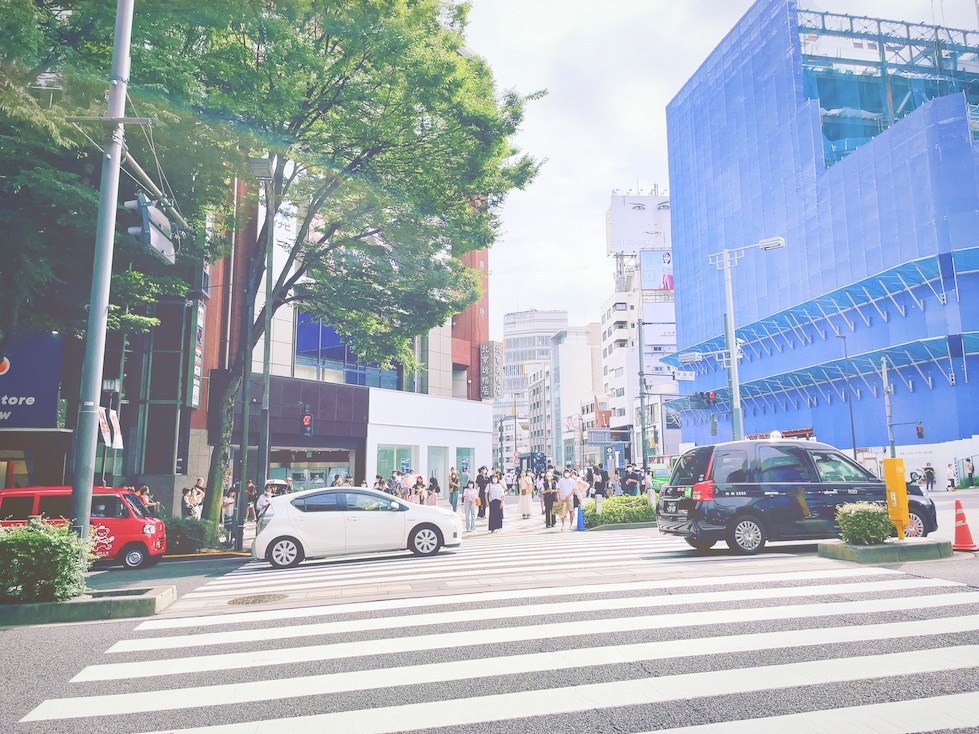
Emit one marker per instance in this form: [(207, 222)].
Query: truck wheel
[(135, 556)]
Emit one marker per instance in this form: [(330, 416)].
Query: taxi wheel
[(916, 528), (425, 540), (746, 535), (135, 556), (700, 545), (284, 552)]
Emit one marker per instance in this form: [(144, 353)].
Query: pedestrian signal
[(921, 431), (307, 425)]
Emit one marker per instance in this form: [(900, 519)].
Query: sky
[(610, 67)]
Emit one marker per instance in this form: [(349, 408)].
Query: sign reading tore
[(30, 374)]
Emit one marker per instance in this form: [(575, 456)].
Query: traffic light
[(307, 425), (921, 431), (704, 399), (154, 231)]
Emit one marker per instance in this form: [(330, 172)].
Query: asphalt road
[(619, 631)]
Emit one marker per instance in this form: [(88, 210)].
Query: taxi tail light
[(702, 491)]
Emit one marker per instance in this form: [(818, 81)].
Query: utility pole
[(90, 392), (642, 387), (887, 406), (267, 177)]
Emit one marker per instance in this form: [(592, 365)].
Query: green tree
[(394, 148)]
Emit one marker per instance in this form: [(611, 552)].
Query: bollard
[(897, 494)]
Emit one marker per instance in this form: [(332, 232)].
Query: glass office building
[(854, 139)]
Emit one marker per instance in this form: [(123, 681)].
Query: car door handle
[(772, 494), (830, 491)]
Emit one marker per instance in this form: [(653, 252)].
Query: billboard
[(637, 222), (30, 376), (656, 270), (660, 321), (490, 370)]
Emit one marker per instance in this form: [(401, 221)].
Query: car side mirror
[(914, 476)]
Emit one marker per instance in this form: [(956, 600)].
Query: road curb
[(624, 526), (897, 551), (216, 555), (104, 604)]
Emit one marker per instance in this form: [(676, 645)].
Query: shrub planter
[(106, 604), (895, 551)]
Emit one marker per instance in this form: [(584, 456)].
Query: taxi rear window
[(691, 467)]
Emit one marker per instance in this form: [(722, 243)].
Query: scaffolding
[(868, 73)]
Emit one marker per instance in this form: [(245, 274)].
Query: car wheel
[(916, 526), (284, 552), (700, 545), (134, 556), (746, 535), (425, 540)]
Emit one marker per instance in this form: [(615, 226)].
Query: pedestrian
[(929, 472), (950, 478), (494, 493), (251, 497), (186, 503), (600, 487), (539, 488), (550, 497), (566, 487), (228, 510), (470, 498), (525, 486), (433, 491), (631, 480), (968, 470), (481, 481), (144, 496), (454, 485), (197, 494), (417, 495), (263, 501), (510, 479)]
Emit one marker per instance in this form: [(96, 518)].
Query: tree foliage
[(393, 146)]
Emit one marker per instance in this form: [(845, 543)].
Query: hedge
[(616, 510), (863, 523), (190, 535), (40, 562)]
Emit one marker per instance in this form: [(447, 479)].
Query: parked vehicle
[(122, 529), (338, 520), (749, 492)]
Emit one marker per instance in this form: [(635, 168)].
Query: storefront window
[(400, 458), (438, 457)]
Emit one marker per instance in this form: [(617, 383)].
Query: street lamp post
[(725, 260), (90, 391), (849, 394)]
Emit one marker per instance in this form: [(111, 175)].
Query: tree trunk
[(221, 456)]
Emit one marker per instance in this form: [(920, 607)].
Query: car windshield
[(136, 505), (691, 467)]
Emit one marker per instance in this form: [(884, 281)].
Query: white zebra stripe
[(543, 610), (479, 709), (236, 618), (500, 635), (363, 680)]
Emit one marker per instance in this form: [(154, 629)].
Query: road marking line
[(501, 635), (388, 576), (544, 610), (955, 711), (236, 618), (502, 556), (645, 691), (236, 693)]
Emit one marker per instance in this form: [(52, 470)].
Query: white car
[(326, 522)]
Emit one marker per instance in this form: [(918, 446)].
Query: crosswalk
[(674, 642)]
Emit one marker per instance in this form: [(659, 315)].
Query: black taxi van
[(749, 492)]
